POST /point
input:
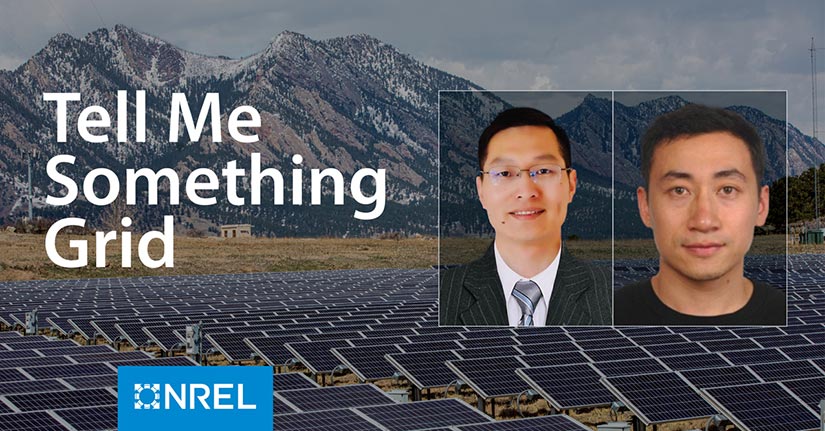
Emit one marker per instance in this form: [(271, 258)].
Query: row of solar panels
[(802, 339)]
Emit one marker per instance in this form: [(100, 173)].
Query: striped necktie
[(528, 294)]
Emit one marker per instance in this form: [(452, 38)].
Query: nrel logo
[(194, 397), (154, 391)]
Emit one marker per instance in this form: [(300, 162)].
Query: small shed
[(236, 230)]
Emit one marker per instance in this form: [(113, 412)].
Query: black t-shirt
[(637, 304)]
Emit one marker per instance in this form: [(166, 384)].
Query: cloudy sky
[(572, 45)]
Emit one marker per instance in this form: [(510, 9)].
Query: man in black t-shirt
[(703, 169)]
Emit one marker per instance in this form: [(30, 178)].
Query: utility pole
[(30, 197), (815, 116)]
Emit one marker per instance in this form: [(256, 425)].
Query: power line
[(98, 13)]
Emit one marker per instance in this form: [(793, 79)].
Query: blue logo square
[(172, 397)]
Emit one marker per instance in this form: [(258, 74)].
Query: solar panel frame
[(782, 371), (721, 376), (90, 418), (316, 355), (544, 423), (329, 420), (288, 381), (491, 377), (629, 367), (40, 401), (782, 403), (649, 408), (809, 391), (755, 356), (424, 415), (582, 377), (691, 362), (30, 421), (425, 374), (368, 363), (334, 397)]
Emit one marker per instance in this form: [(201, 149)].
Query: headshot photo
[(525, 180), (703, 195)]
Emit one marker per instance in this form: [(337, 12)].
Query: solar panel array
[(383, 323)]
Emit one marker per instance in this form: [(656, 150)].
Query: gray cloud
[(590, 44)]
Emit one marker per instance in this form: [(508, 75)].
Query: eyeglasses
[(540, 174)]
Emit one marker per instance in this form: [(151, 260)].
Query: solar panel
[(621, 353), (490, 377), (334, 397), (27, 386), (562, 346), (677, 349), (567, 386), (16, 354), (610, 343), (728, 345), (425, 369), (430, 346), (107, 381), (76, 350), (783, 341), (424, 415), (544, 423), (331, 420), (34, 421), (560, 358), (755, 356), (133, 333), (631, 366), (372, 341), (57, 371), (805, 352), (722, 376), (542, 337), (182, 361), (587, 333), (109, 357), (368, 363), (810, 391), (232, 345), (477, 343), (690, 362), (472, 333), (42, 344), (62, 399), (316, 355), (650, 340), (709, 334), (272, 350), (90, 418), (659, 398), (33, 362), (488, 352), (287, 381), (780, 372), (762, 407), (280, 407)]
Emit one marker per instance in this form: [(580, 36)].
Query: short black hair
[(692, 120), (517, 117)]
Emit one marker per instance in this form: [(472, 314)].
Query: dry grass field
[(23, 257)]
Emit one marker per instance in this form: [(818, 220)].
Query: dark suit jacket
[(472, 294)]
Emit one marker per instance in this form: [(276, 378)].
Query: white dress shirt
[(544, 280)]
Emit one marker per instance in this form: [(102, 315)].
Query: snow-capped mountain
[(348, 103)]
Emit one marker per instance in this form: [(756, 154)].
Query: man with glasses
[(526, 278)]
